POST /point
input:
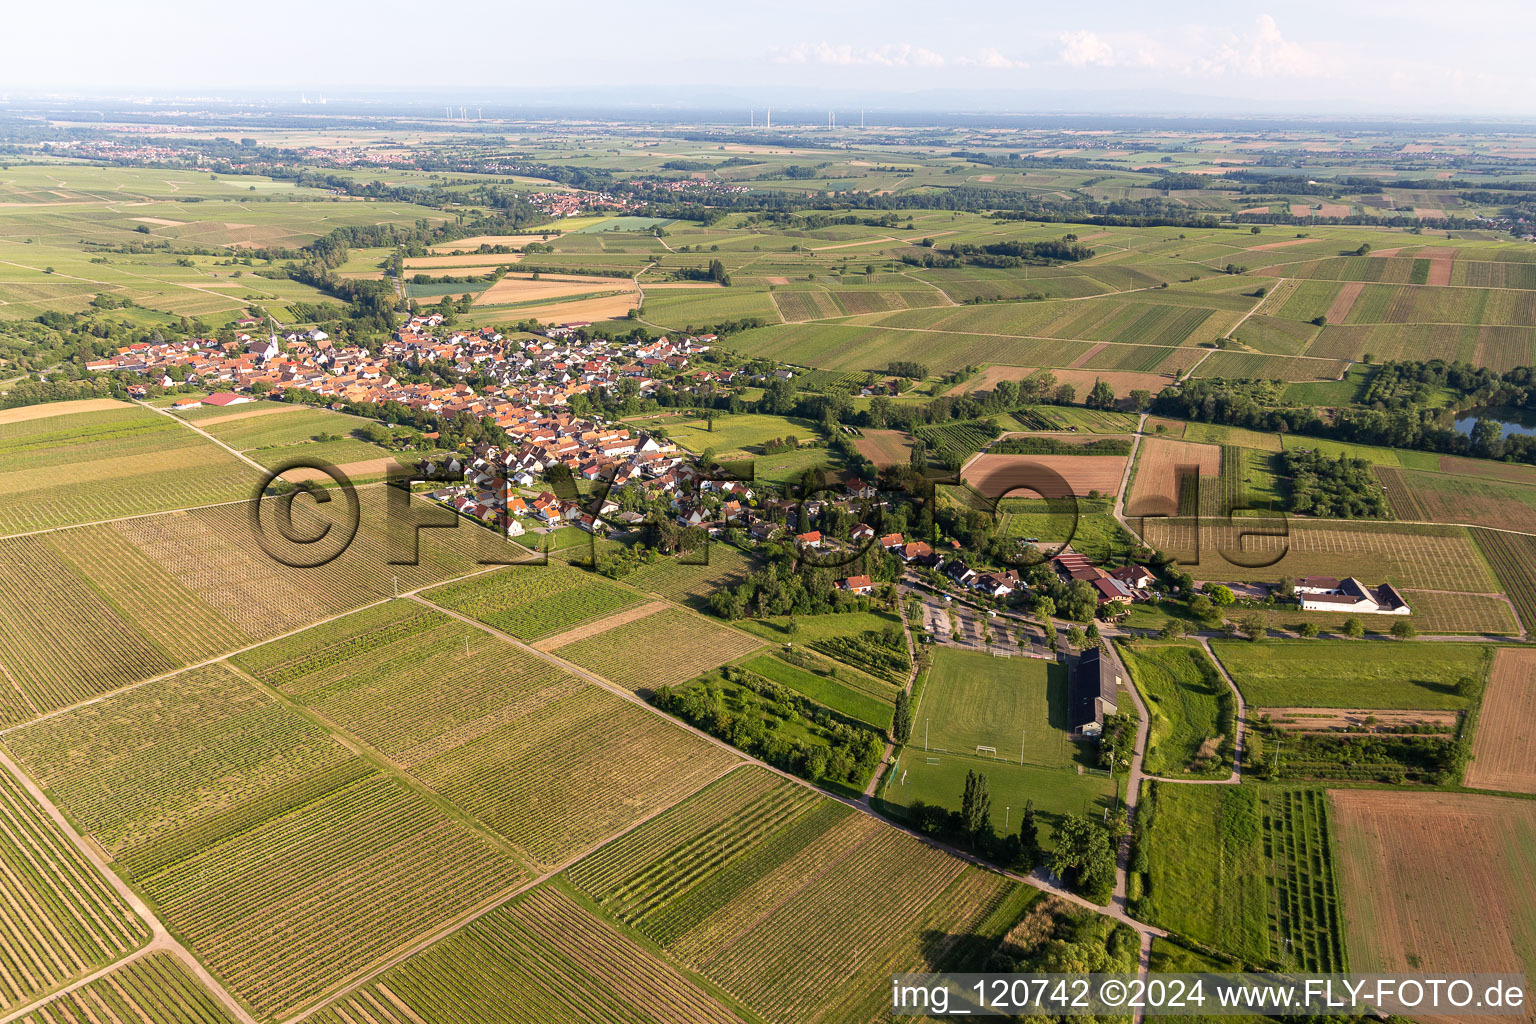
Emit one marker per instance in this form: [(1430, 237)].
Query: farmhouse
[(1326, 594), (1137, 577), (1092, 694)]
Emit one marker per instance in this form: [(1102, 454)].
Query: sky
[(1306, 57)]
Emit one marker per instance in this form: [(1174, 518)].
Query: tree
[(1403, 630), (1487, 439), (1083, 858), (976, 807), (1173, 630), (1029, 839), (1101, 396), (1254, 626), (1221, 595), (1307, 629), (1092, 633), (901, 720), (1141, 399), (1354, 628), (1467, 686), (1365, 247), (1076, 637)]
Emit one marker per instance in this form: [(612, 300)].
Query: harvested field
[(1510, 472), (1440, 264), (997, 475), (1436, 882), (470, 244), (519, 289), (368, 469), (1161, 465), (885, 447), (1277, 245), (1504, 749), (22, 413), (484, 263), (1344, 301), (605, 307), (1352, 719)]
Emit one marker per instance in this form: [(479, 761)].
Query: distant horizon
[(794, 110), (1308, 57)]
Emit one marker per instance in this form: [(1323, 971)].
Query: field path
[(162, 937), (194, 427)]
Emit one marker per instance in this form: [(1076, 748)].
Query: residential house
[(858, 585)]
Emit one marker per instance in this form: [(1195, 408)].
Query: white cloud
[(993, 59), (1083, 48), (1264, 54), (893, 55)]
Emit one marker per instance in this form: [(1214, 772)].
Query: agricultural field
[(493, 728), (1353, 673), (1410, 557), (1162, 466), (143, 769), (62, 919), (1511, 555), (1441, 498), (690, 579), (222, 792), (1308, 920), (289, 909), (756, 874), (1504, 747), (85, 463), (532, 602), (154, 989), (1206, 868), (111, 604), (547, 953), (871, 703), (1193, 713), (665, 648), (1082, 475), (1435, 882), (974, 700)]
